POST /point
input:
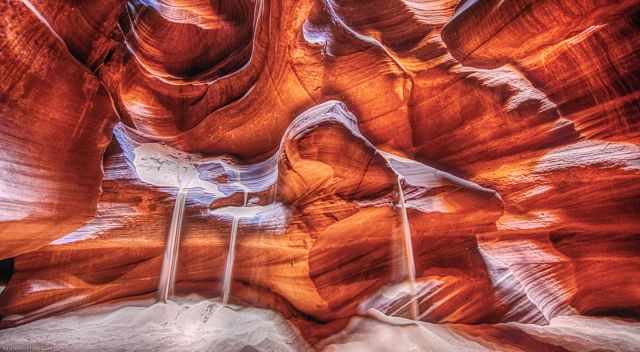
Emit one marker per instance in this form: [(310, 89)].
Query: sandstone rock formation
[(473, 165)]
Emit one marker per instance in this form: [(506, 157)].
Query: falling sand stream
[(172, 248), (228, 268), (163, 166), (409, 261), (246, 211), (167, 282)]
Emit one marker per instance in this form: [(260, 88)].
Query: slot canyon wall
[(502, 136)]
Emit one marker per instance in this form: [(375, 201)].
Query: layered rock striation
[(501, 137)]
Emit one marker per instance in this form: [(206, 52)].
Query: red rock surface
[(516, 126)]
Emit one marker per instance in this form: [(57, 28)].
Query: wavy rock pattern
[(496, 141)]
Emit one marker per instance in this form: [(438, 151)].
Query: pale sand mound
[(196, 325), (188, 325), (566, 333)]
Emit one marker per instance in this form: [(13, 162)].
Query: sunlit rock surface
[(470, 165)]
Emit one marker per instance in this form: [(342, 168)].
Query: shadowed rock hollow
[(390, 174)]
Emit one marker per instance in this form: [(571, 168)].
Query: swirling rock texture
[(502, 136)]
